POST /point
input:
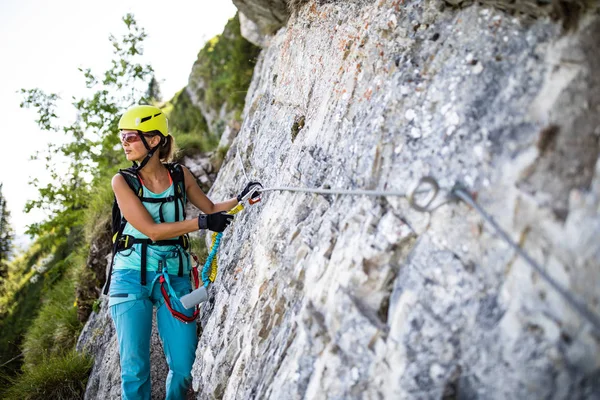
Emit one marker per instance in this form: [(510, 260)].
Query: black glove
[(247, 189), (216, 222)]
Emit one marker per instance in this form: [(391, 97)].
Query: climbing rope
[(577, 304), (210, 268), (376, 193), (428, 185), (454, 194)]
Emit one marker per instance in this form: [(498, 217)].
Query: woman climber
[(150, 244)]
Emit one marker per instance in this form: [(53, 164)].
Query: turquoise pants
[(131, 310)]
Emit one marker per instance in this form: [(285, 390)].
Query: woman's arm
[(197, 197), (136, 214)]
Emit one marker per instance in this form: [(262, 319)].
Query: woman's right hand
[(216, 222)]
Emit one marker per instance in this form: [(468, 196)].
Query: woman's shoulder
[(125, 178)]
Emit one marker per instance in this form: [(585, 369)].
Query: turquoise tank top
[(157, 256)]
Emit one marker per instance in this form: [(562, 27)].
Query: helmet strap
[(141, 135), (151, 152)]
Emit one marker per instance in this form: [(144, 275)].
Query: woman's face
[(133, 146)]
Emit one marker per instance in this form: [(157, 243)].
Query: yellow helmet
[(145, 119)]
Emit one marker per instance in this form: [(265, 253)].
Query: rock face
[(251, 31), (266, 15), (326, 296), (202, 168)]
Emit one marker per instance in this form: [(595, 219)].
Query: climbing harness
[(169, 293), (124, 242)]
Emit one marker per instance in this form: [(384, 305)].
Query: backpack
[(124, 242)]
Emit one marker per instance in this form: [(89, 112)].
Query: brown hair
[(165, 152)]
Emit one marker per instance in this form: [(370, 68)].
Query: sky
[(42, 45)]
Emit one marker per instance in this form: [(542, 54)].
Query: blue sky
[(43, 43)]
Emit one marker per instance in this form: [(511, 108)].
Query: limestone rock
[(220, 77), (267, 15), (203, 169), (353, 297), (349, 297), (251, 32)]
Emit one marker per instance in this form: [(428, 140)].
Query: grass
[(57, 377), (56, 328), (183, 115), (188, 127), (40, 328), (99, 209), (19, 305)]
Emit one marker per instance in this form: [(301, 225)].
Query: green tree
[(6, 237), (153, 94), (89, 156)]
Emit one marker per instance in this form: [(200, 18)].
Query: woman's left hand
[(247, 189)]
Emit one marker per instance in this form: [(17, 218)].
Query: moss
[(225, 65), (221, 153), (189, 144)]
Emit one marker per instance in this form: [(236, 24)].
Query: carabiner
[(251, 191)]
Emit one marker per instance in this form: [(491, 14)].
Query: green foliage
[(184, 116), (188, 126), (198, 247), (190, 143), (19, 305), (99, 207), (55, 330), (41, 293), (153, 92), (6, 238), (90, 148), (225, 65), (221, 153), (38, 315), (58, 377)]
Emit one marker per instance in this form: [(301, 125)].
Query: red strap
[(196, 279), (176, 314)]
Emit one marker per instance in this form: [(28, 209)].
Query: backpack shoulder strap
[(176, 172), (118, 220), (133, 180)]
